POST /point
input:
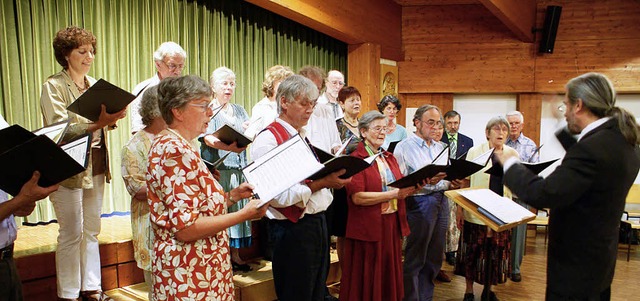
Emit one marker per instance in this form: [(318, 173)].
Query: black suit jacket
[(586, 194), (464, 144)]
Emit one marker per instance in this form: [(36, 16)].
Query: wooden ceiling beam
[(519, 16)]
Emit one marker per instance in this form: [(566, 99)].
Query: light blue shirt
[(8, 230), (526, 148), (398, 135), (413, 153)]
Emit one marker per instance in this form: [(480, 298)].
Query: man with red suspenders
[(297, 216)]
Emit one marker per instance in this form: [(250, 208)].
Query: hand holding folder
[(23, 152), (89, 104), (351, 165), (228, 135)]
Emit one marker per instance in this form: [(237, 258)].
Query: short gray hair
[(220, 75), (176, 92), (422, 109), (149, 106), (168, 49), (294, 87), (495, 121), (365, 121), (516, 113)]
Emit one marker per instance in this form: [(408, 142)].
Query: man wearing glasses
[(427, 209), (169, 61), (334, 82)]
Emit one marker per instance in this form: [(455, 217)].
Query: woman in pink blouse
[(188, 206)]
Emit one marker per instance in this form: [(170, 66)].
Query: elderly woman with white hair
[(223, 83)]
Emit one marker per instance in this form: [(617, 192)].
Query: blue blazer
[(464, 144)]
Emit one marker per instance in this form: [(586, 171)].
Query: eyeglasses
[(562, 107), (429, 122), (379, 129), (308, 103), (499, 129), (173, 67), (337, 83), (203, 106)]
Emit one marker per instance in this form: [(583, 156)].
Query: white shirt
[(313, 202), (134, 116), (335, 107), (266, 111), (8, 230), (322, 130)]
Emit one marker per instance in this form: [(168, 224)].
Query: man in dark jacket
[(586, 193)]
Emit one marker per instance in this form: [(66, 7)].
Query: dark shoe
[(94, 296), (492, 296), (516, 277), (240, 267), (468, 297), (450, 258), (443, 277)]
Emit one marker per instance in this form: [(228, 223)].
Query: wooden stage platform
[(122, 280)]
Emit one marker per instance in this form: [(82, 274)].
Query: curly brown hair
[(274, 74), (68, 39)]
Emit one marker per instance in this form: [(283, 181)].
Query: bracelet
[(230, 198)]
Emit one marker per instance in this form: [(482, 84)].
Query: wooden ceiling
[(519, 16)]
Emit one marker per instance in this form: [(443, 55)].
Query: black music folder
[(461, 168), (439, 164), (353, 165), (22, 153), (392, 146), (228, 135), (89, 104), (536, 168)]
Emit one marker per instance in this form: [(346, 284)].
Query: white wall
[(476, 110)]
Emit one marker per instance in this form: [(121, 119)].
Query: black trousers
[(300, 258), (10, 285), (605, 295)]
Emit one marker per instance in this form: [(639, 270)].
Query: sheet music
[(77, 150), (484, 158), (54, 131), (503, 208), (442, 159), (344, 145), (281, 168)]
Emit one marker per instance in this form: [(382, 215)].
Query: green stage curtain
[(231, 33)]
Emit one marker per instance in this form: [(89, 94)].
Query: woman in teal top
[(389, 106)]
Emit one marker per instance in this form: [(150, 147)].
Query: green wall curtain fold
[(231, 33)]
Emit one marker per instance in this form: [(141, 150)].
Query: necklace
[(349, 123), (82, 89)]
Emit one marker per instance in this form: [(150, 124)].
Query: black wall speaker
[(550, 29)]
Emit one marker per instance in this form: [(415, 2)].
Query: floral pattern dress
[(181, 190), (134, 168)]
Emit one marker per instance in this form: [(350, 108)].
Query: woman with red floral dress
[(188, 207)]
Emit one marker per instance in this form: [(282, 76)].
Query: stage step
[(255, 285)]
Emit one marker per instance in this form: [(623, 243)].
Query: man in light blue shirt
[(427, 209), (21, 205), (528, 152)]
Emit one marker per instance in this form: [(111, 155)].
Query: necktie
[(453, 147)]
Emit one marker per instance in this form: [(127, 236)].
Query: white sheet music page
[(503, 208), (483, 158), (77, 150), (282, 167), (54, 131)]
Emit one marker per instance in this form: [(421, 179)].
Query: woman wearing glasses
[(223, 83), (475, 234), (78, 201), (389, 106), (188, 206), (376, 223)]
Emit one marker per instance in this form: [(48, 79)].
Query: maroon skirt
[(373, 269), (472, 254)]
